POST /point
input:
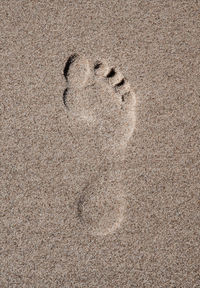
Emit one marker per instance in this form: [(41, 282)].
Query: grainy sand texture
[(100, 144)]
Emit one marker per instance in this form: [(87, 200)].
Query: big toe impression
[(76, 71)]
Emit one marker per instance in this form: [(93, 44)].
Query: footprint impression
[(99, 99)]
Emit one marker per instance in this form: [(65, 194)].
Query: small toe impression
[(114, 77), (111, 73), (122, 86), (76, 71), (128, 97), (101, 68)]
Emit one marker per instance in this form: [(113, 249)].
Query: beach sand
[(99, 139)]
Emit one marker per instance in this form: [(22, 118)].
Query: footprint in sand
[(99, 98)]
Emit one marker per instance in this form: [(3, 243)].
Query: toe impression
[(76, 71), (101, 68), (114, 77)]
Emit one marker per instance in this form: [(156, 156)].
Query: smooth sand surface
[(89, 198)]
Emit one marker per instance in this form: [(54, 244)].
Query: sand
[(99, 139)]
